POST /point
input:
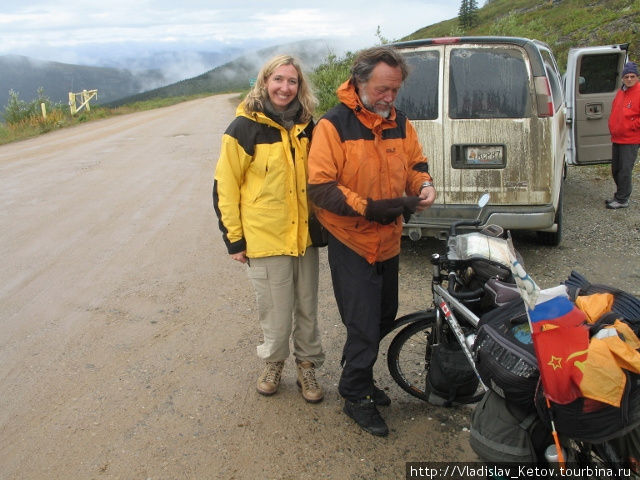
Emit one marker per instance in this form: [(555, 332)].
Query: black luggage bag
[(504, 354)]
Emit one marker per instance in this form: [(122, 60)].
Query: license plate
[(493, 155)]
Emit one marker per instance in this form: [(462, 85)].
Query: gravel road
[(127, 344)]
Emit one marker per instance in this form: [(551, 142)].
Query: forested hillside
[(562, 24)]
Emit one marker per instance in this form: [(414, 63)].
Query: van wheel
[(553, 239)]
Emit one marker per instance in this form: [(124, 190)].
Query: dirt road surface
[(127, 335)]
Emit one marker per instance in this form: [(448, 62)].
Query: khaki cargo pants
[(287, 295)]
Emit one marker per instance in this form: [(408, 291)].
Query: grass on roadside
[(60, 117)]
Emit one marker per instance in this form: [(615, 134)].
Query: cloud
[(63, 26)]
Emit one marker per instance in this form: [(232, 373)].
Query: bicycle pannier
[(592, 421), (450, 380), (504, 355), (586, 419), (501, 432)]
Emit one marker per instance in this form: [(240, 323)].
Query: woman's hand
[(240, 257)]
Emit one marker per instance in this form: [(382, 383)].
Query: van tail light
[(544, 99), (446, 40)]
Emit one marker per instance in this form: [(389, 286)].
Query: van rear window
[(488, 83), (418, 97)]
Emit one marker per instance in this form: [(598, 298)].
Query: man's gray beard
[(366, 103)]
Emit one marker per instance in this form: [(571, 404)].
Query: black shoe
[(380, 398), (365, 414)]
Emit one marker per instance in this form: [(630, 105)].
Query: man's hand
[(384, 211), (410, 205), (427, 197)]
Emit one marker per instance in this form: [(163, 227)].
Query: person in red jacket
[(624, 125), (367, 169)]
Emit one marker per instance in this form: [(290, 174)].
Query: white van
[(491, 115)]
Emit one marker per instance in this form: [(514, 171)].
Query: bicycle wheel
[(598, 462), (409, 354)]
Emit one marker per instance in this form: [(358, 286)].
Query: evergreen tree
[(467, 15)]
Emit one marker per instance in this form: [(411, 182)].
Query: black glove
[(384, 211), (410, 204)]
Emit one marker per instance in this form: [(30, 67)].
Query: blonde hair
[(254, 101)]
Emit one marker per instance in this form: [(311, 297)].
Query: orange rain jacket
[(355, 155)]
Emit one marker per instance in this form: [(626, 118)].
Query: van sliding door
[(594, 85)]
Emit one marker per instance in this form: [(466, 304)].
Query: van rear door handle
[(593, 110)]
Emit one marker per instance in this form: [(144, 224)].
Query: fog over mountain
[(127, 70)]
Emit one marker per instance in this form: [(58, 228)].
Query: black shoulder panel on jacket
[(347, 125), (350, 128), (249, 133), (308, 130)]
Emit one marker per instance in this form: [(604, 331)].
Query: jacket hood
[(347, 94)]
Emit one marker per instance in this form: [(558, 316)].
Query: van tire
[(553, 239)]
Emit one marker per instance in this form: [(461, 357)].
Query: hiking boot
[(380, 398), (311, 391), (270, 378), (365, 414), (615, 204)]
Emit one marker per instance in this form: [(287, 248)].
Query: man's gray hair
[(366, 60)]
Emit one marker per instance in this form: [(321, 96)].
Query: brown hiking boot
[(270, 379), (311, 391)]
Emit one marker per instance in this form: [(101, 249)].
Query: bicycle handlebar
[(463, 223), (471, 294)]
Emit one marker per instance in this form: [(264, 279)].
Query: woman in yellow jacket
[(260, 197)]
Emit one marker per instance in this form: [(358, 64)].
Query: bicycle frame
[(446, 304)]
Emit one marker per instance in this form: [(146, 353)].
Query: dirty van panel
[(427, 132), (524, 178)]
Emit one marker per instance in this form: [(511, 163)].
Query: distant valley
[(163, 74)]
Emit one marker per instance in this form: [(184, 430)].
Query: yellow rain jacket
[(260, 186)]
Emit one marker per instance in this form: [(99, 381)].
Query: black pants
[(367, 298), (622, 162)]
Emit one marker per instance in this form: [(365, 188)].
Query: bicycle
[(455, 314)]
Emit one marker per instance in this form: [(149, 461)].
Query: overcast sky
[(74, 30)]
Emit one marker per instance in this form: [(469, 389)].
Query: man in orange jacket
[(624, 125), (367, 169)]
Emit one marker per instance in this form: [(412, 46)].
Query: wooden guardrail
[(85, 96)]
